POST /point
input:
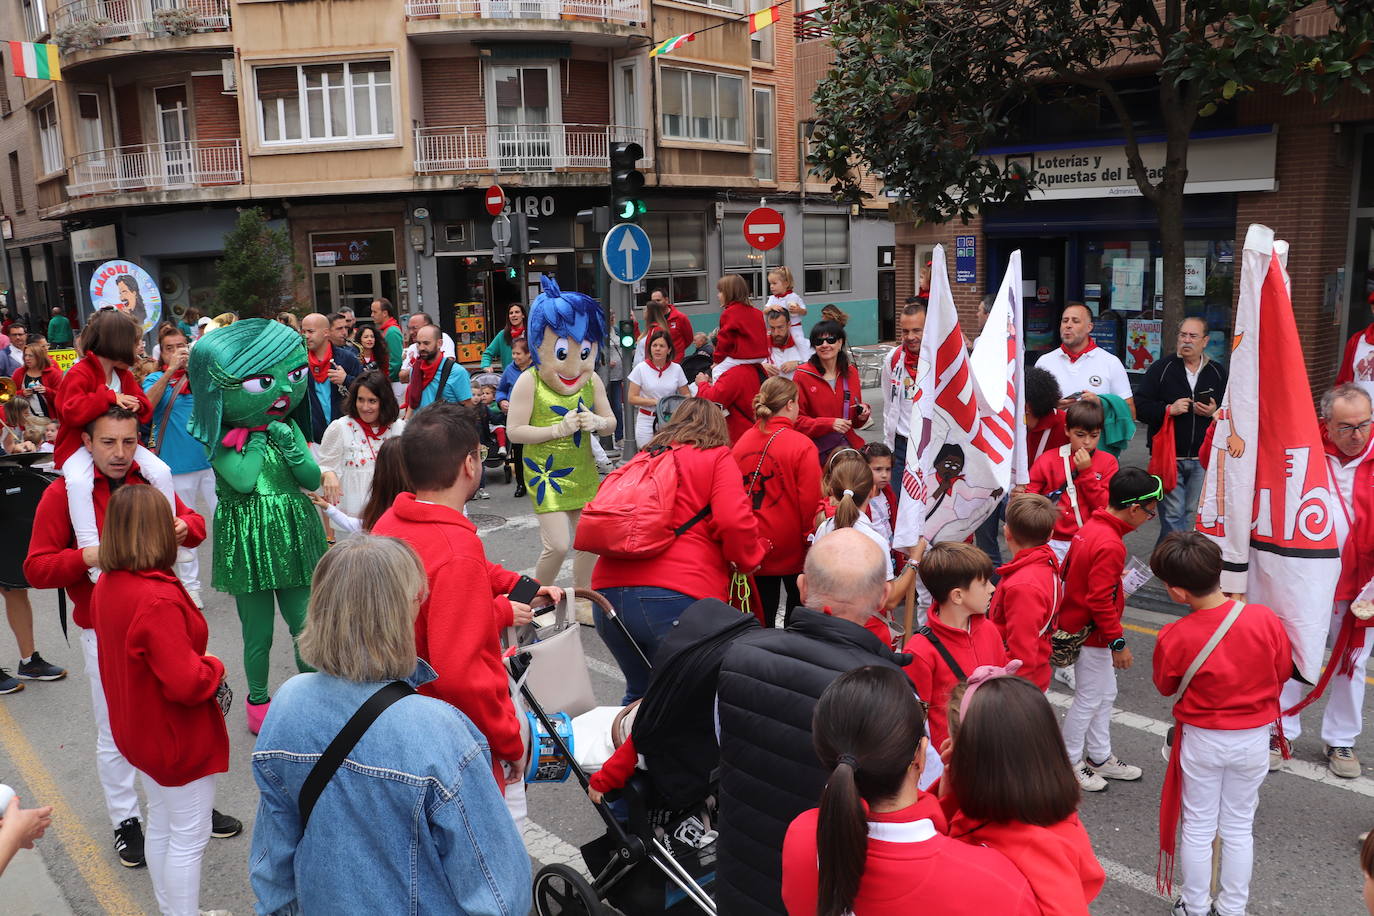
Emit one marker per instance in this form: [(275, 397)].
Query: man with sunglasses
[(1094, 601)]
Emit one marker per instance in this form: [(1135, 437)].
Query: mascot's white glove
[(587, 420), (565, 427)]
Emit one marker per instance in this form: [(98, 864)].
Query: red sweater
[(52, 380), (83, 396), (698, 562), (909, 870), (458, 630), (1238, 686), (159, 683), (980, 644), (1025, 601), (735, 391), (54, 560), (680, 330), (617, 769), (743, 333), (787, 493), (1092, 579), (1047, 478), (821, 403), (1047, 435), (1347, 371)]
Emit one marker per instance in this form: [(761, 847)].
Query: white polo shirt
[(1093, 370)]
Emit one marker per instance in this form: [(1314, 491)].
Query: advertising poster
[(1144, 337), (1128, 284), (125, 286)]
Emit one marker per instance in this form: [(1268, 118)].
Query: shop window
[(763, 134), (825, 252), (702, 106), (49, 139), (325, 102), (679, 262), (737, 257)]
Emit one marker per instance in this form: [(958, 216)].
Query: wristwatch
[(1116, 645)]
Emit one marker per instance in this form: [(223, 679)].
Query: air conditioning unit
[(231, 81)]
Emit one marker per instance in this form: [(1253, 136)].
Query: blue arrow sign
[(626, 253)]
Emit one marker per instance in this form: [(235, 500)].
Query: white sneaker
[(195, 598), (1113, 768), (1088, 780), (1065, 677)]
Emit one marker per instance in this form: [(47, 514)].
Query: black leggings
[(769, 588)]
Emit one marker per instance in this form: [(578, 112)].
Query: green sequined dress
[(560, 474), (270, 538)]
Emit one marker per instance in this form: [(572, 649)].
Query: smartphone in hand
[(525, 590)]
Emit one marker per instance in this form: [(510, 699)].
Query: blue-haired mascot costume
[(556, 406)]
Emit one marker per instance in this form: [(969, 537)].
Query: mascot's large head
[(566, 330), (247, 374)]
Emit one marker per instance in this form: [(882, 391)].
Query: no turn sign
[(494, 199), (764, 228)]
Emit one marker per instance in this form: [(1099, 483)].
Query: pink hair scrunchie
[(981, 675)]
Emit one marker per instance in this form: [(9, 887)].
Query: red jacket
[(1047, 435), (821, 403), (83, 396), (52, 380), (1047, 478), (617, 769), (1026, 600), (1238, 686), (981, 644), (743, 333), (1347, 371), (698, 562), (159, 683), (680, 330), (905, 873), (458, 630), (54, 560), (787, 493), (1092, 579), (735, 390)]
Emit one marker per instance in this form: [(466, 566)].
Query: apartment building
[(370, 129)]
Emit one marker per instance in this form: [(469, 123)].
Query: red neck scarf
[(910, 360), (389, 323), (319, 368), (376, 433), (515, 330), (1074, 357), (421, 374)]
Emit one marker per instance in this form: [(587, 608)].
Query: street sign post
[(626, 253), (500, 230), (494, 199), (764, 228)]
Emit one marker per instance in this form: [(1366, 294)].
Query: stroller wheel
[(561, 891)]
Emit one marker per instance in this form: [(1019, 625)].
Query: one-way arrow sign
[(626, 253)]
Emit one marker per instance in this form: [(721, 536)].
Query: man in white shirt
[(899, 385), (413, 325), (1082, 368), (786, 350)]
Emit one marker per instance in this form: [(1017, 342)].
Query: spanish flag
[(35, 60), (762, 19)]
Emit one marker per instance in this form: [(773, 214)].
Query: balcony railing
[(811, 25), (84, 24), (156, 167), (619, 11), (518, 147)]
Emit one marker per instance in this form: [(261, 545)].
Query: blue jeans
[(648, 613), (987, 534), (1178, 505)]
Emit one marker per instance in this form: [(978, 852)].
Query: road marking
[(1133, 878), (89, 856)]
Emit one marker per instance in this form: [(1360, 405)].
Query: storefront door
[(352, 269), (1044, 280)]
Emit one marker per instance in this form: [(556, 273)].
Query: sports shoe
[(128, 843), (1275, 753), (1178, 909), (481, 494), (215, 913), (1113, 768), (1088, 780), (1065, 677), (1343, 762), (36, 669), (223, 826), (195, 598), (1362, 837), (9, 683)]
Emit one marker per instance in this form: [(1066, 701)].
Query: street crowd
[(855, 767)]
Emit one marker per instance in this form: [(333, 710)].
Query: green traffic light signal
[(627, 333), (511, 273)]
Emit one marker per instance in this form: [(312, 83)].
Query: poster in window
[(1128, 284), (1144, 337), (1194, 277)]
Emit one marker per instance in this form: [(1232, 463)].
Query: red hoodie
[(83, 396), (735, 390), (1047, 478), (1026, 600), (786, 494), (743, 333), (1092, 579), (680, 330), (980, 644)]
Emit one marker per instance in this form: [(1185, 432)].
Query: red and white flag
[(964, 429), (1267, 497)]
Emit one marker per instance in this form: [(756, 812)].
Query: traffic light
[(524, 235), (627, 181), (512, 273), (627, 333)]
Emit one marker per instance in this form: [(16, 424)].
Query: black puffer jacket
[(769, 684)]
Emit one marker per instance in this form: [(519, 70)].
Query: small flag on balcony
[(35, 60), (762, 19), (672, 44)]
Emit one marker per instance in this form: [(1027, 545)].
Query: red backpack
[(630, 518)]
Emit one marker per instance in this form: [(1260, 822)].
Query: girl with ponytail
[(876, 846), (849, 484)]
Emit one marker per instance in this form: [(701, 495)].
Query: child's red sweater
[(83, 396), (1026, 600), (1047, 478), (980, 644), (743, 333)]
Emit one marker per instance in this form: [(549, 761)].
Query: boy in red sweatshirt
[(1220, 751), (1094, 600), (1028, 595), (1074, 475), (958, 637)]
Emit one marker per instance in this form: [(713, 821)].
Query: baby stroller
[(661, 859)]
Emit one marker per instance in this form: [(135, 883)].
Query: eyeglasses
[(1183, 336), (827, 340), (1346, 429), (1153, 496)]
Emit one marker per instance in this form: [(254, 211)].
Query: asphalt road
[(1306, 852)]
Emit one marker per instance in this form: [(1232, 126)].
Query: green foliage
[(255, 274)]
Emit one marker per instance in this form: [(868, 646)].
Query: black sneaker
[(9, 683), (36, 669), (222, 826), (128, 843)]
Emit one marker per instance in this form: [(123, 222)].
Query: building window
[(16, 182), (49, 139), (324, 102), (761, 46), (89, 129), (763, 134), (35, 18), (5, 107), (738, 257), (679, 262), (627, 104), (702, 106), (825, 247)]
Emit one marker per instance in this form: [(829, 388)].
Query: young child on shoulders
[(1029, 591), (1222, 717), (1075, 475), (742, 337), (782, 297)]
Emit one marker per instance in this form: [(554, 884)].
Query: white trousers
[(1342, 718), (116, 773), (195, 489), (1222, 774), (1086, 724), (178, 831)]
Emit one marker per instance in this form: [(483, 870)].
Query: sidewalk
[(28, 889)]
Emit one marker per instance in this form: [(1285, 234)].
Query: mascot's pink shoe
[(256, 713)]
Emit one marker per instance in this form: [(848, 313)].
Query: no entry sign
[(495, 199), (764, 228)]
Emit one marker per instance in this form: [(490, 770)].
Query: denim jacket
[(411, 822)]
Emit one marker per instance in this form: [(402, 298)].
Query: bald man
[(1082, 368), (332, 371)]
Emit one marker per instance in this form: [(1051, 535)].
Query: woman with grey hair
[(410, 818)]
